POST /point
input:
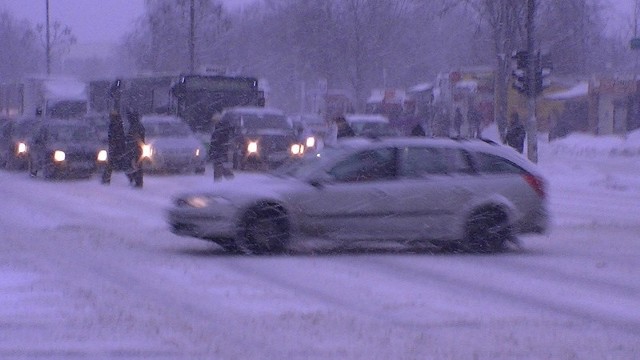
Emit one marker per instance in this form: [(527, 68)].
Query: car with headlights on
[(261, 138), (65, 148), (413, 191), (14, 142), (171, 146)]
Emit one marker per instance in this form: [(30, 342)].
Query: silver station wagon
[(407, 190)]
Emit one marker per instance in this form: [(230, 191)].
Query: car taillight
[(536, 183)]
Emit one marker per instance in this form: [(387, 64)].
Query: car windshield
[(372, 128), (309, 163), (25, 128), (166, 129), (265, 121), (66, 133)]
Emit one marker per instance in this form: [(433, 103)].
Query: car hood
[(267, 132), (174, 142), (76, 147), (245, 189)]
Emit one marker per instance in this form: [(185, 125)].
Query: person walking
[(516, 133), (344, 129), (474, 118), (457, 122), (116, 148), (134, 143), (219, 147)]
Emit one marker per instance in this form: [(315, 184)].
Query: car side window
[(493, 164), (368, 165), (423, 161)]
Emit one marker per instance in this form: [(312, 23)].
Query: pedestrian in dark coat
[(134, 144), (116, 148), (418, 130), (344, 129), (219, 148), (516, 134), (457, 122), (474, 118)]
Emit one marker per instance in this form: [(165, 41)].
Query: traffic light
[(542, 71), (520, 82)]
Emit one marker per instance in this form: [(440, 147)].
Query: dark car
[(262, 138), (65, 147), (14, 138)]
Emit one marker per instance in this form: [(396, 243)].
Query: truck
[(196, 98), (54, 97)]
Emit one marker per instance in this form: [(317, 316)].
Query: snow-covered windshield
[(166, 129), (72, 133), (265, 121), (373, 128), (310, 163)]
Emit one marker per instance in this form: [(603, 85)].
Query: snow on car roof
[(158, 118), (366, 118), (255, 110)]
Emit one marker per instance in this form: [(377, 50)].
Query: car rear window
[(493, 164)]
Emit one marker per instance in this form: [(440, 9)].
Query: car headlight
[(310, 142), (59, 155), (252, 147), (201, 201), (147, 151), (102, 155), (22, 148), (197, 152), (297, 149)]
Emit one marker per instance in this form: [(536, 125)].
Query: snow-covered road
[(88, 271)]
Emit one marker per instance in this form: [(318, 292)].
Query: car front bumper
[(200, 223)]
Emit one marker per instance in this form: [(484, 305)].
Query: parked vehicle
[(171, 146), (310, 129), (261, 137), (65, 148), (407, 190), (14, 139), (370, 125)]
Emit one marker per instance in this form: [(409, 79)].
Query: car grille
[(273, 143), (81, 156)]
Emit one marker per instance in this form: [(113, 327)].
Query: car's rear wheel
[(487, 231), (265, 229)]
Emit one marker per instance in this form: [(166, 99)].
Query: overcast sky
[(92, 21), (96, 21)]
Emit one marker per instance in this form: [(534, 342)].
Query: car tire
[(265, 229), (487, 231)]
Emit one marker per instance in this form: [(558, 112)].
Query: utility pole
[(532, 123), (192, 35), (48, 41)]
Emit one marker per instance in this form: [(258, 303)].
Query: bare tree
[(19, 48), (60, 42)]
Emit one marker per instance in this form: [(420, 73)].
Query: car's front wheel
[(264, 229)]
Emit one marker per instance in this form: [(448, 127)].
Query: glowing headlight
[(59, 155), (297, 149), (252, 147), (197, 152), (22, 148), (310, 142), (201, 201), (102, 155), (147, 151)]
